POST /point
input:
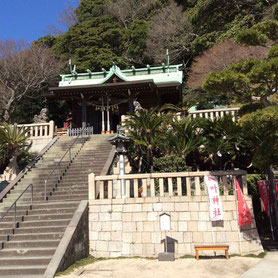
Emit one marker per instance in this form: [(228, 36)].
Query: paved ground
[(268, 267), (143, 268)]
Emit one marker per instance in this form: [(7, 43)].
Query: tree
[(66, 18), (261, 127), (24, 72), (259, 34), (245, 80), (219, 57), (176, 34), (89, 9), (127, 10)]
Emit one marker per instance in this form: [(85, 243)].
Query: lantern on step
[(121, 142)]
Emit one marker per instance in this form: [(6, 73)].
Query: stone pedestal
[(163, 257)]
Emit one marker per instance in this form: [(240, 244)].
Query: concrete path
[(267, 268)]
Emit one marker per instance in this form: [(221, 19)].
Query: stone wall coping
[(169, 175)]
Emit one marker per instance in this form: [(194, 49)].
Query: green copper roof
[(119, 137), (160, 75)]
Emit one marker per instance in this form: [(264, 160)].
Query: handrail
[(59, 163), (26, 169), (14, 204)]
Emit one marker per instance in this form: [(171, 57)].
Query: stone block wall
[(131, 227)]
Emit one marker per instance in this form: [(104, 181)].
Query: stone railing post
[(92, 187), (51, 129), (244, 185)]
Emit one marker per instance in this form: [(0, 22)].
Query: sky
[(28, 19)]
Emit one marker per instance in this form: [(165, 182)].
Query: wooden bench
[(213, 248)]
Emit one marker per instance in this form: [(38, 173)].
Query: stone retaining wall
[(131, 227)]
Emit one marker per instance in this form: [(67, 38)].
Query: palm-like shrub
[(13, 141), (145, 129), (225, 146), (183, 137)]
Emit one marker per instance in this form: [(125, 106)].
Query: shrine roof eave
[(103, 88)]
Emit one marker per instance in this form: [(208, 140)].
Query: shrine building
[(99, 99)]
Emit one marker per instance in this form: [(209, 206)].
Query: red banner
[(244, 216), (264, 193)]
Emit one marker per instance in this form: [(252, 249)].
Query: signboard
[(215, 203), (165, 222)]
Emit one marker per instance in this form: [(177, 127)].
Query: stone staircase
[(28, 249)]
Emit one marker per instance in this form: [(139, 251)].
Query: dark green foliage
[(261, 127), (58, 111), (170, 163), (162, 143), (275, 11), (93, 44), (249, 108), (225, 146), (217, 20), (89, 9), (251, 37), (47, 41), (135, 40), (259, 33), (273, 51)]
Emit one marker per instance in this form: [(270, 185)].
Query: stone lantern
[(121, 142)]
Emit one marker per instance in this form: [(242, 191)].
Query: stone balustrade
[(161, 184), (40, 129), (207, 114), (214, 113)]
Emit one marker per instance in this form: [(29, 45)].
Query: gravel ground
[(143, 268)]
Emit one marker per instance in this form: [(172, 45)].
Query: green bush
[(249, 108), (170, 163), (275, 11)]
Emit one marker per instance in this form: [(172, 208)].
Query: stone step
[(69, 198), (43, 205), (39, 230), (31, 244), (23, 270), (28, 249), (18, 261), (36, 223), (39, 217), (60, 188), (5, 231), (41, 236), (27, 252), (3, 238), (66, 196), (43, 223)]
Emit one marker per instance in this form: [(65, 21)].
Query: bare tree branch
[(23, 72), (127, 10), (169, 30)]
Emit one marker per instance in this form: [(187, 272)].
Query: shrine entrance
[(100, 99)]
